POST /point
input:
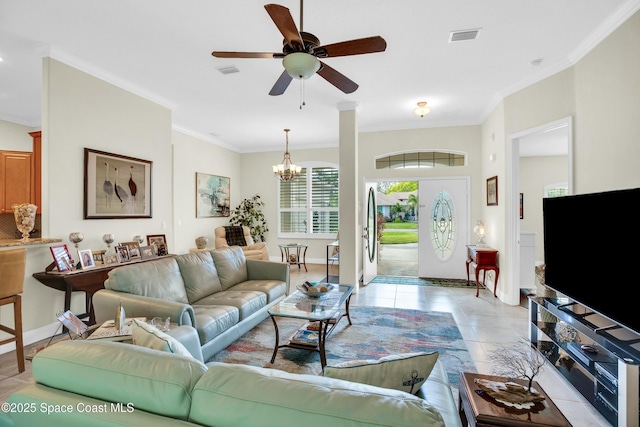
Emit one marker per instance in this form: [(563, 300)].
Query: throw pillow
[(146, 335), (235, 236), (405, 372)]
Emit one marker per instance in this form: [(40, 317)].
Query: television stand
[(609, 377)]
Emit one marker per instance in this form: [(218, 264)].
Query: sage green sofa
[(101, 383), (219, 292)]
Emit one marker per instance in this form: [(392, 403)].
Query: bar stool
[(12, 268)]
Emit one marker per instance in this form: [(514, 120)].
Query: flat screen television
[(590, 254)]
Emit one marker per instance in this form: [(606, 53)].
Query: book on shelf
[(107, 331), (305, 337)]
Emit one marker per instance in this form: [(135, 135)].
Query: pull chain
[(302, 103)]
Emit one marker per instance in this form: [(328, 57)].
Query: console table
[(482, 258), (88, 281)]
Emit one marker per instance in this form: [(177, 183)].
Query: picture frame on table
[(110, 259), (62, 258), (492, 191), (98, 257), (213, 195), (147, 252), (122, 252), (133, 248), (159, 242), (86, 259), (116, 186)]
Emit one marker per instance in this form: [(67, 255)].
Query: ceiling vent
[(228, 70), (462, 35)]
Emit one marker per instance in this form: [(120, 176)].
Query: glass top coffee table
[(322, 315)]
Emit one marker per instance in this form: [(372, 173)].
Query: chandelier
[(286, 171)]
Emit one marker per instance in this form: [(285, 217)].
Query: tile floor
[(484, 322)]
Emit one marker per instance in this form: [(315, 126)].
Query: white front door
[(443, 227)]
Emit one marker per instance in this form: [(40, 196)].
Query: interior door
[(370, 235), (443, 227)]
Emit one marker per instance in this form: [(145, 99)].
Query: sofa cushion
[(247, 302), (273, 289), (199, 275), (301, 400), (211, 321), (150, 380), (149, 336), (405, 372), (231, 265), (156, 279)]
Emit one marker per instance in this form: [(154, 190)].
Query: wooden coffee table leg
[(277, 344)]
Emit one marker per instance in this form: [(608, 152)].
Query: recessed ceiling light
[(228, 70), (536, 62)]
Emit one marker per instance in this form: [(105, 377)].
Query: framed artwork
[(98, 257), (212, 195), (133, 248), (110, 259), (492, 191), (521, 206), (122, 252), (159, 242), (86, 258), (116, 186), (62, 257), (147, 252)]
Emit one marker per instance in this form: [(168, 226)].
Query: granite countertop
[(8, 243)]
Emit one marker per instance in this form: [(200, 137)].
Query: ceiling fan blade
[(352, 47), (284, 21), (281, 84), (219, 54), (337, 79)]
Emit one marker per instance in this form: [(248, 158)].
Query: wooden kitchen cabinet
[(20, 176)]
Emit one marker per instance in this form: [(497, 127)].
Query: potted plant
[(249, 213)]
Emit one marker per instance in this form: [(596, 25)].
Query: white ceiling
[(161, 49)]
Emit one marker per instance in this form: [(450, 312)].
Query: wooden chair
[(12, 270)]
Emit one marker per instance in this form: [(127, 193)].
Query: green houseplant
[(249, 213)]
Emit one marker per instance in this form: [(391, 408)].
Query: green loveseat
[(219, 292), (91, 383)]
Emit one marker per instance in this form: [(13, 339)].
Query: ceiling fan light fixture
[(300, 65), (422, 109)]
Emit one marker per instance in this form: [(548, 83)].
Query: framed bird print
[(116, 186)]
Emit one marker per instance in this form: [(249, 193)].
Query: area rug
[(419, 281), (376, 332)]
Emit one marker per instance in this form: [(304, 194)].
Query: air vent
[(228, 70), (462, 35)]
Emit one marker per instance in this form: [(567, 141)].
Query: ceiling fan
[(301, 50)]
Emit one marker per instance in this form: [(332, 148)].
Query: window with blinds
[(309, 204)]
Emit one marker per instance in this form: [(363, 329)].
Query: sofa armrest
[(261, 270), (106, 302)]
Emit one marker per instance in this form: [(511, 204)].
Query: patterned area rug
[(376, 332), (419, 281)]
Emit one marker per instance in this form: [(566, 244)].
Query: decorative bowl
[(316, 290)]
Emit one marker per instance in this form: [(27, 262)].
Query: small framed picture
[(147, 252), (62, 257), (86, 259), (98, 257), (110, 259), (159, 241), (492, 191), (521, 206), (123, 253), (134, 249)]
